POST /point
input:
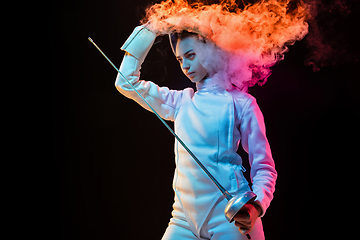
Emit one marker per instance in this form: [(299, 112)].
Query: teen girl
[(212, 121)]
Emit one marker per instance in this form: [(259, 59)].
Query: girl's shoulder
[(242, 101), (181, 96), (240, 97)]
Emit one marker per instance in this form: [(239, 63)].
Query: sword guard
[(236, 203)]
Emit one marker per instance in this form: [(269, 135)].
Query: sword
[(236, 202)]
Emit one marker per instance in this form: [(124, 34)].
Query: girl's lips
[(189, 74)]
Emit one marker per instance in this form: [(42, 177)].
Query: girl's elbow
[(119, 82)]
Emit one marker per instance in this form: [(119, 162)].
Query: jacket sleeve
[(162, 99), (253, 138)]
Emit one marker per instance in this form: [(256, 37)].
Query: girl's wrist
[(151, 28), (258, 208)]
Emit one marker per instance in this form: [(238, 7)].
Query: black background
[(115, 161)]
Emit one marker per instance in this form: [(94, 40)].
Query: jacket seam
[(246, 107)]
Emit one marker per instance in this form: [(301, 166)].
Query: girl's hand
[(150, 26), (246, 217)]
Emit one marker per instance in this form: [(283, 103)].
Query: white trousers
[(216, 227)]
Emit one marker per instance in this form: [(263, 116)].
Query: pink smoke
[(331, 34)]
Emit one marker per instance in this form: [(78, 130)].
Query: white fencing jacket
[(211, 121)]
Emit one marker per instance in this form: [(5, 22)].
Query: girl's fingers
[(244, 229), (243, 225), (242, 218)]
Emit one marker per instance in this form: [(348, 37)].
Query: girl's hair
[(176, 36)]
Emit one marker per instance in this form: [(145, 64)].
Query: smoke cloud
[(243, 43), (333, 33)]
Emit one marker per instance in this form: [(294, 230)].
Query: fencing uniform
[(211, 121)]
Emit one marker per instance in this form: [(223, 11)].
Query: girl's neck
[(208, 83)]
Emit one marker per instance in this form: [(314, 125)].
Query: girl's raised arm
[(162, 99)]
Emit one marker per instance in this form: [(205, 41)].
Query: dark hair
[(175, 37)]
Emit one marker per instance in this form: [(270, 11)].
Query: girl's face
[(189, 61)]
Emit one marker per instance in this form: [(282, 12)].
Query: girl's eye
[(191, 56)]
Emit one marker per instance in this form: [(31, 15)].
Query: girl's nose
[(185, 66)]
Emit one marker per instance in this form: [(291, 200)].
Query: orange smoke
[(253, 39)]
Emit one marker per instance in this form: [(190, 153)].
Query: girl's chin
[(197, 79), (194, 80)]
